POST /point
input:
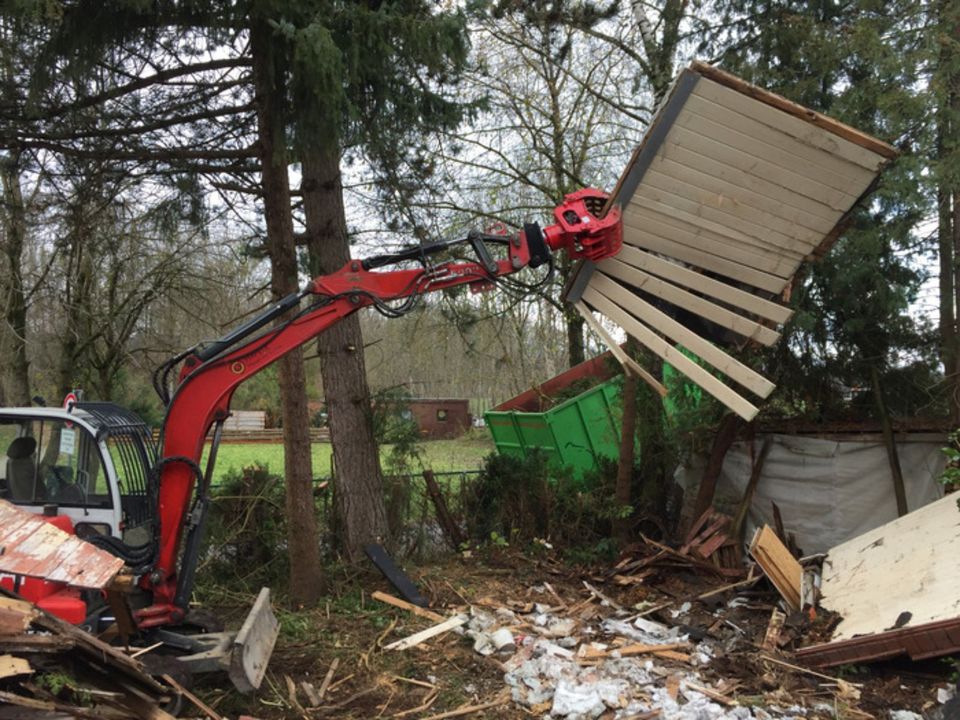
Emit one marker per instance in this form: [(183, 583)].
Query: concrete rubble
[(558, 665)]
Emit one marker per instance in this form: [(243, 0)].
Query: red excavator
[(93, 469)]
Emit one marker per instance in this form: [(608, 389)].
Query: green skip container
[(572, 433)]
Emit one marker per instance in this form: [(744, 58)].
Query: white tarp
[(828, 491)]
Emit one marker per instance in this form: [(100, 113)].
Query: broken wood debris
[(778, 565), (98, 680), (431, 632)]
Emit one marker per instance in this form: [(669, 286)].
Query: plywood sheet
[(910, 565), (35, 548), (740, 187)]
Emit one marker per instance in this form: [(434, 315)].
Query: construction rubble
[(707, 641), (49, 668)]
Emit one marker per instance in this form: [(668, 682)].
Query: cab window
[(51, 461)]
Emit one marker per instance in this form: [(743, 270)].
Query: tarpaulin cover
[(828, 491)]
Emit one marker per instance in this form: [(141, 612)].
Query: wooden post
[(628, 434), (736, 527), (449, 526), (888, 439)]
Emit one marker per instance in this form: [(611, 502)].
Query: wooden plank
[(778, 565), (628, 362), (722, 172), (771, 637), (431, 632), (640, 238), (782, 232), (775, 146), (838, 200), (800, 130), (672, 355), (687, 300), (11, 666), (680, 275), (792, 108), (645, 312), (720, 223), (698, 176), (631, 650), (13, 622), (409, 607), (656, 218)]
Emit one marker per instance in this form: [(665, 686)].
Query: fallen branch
[(325, 685), (502, 700), (808, 671), (209, 711)]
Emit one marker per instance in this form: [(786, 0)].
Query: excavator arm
[(209, 375)]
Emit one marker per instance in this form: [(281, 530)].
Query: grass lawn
[(464, 453)]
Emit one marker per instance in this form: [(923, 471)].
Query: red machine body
[(209, 376)]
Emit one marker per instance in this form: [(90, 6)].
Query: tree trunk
[(628, 437), (16, 378), (890, 441), (726, 434), (948, 206), (306, 578), (358, 493)]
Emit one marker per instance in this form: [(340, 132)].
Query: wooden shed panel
[(717, 222), (687, 300), (714, 263), (780, 156), (809, 225), (795, 127), (838, 200), (780, 231), (733, 180), (789, 149), (723, 173), (650, 218), (681, 275)]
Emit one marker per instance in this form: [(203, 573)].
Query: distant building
[(440, 418)]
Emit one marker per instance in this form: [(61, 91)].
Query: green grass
[(465, 453)]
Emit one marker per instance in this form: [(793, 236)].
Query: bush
[(246, 538), (522, 498)]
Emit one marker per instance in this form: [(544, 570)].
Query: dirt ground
[(443, 675)]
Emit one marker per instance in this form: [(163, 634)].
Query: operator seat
[(22, 477)]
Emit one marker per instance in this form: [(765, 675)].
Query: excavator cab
[(90, 464)]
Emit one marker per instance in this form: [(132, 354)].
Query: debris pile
[(667, 633), (48, 666)]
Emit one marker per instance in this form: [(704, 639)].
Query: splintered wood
[(777, 564), (896, 588), (113, 684), (33, 547)]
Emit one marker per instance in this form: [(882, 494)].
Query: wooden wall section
[(731, 190)]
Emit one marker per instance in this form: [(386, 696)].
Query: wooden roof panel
[(648, 220), (35, 548), (736, 186)]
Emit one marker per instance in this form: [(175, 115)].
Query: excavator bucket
[(253, 645)]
